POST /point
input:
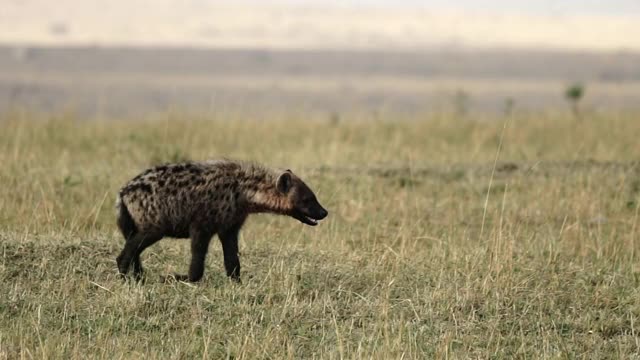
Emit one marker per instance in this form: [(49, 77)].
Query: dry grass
[(399, 270)]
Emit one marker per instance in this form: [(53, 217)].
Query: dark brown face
[(305, 206)]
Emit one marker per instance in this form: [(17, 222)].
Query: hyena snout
[(318, 212), (310, 214)]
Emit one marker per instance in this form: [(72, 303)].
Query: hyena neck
[(263, 197)]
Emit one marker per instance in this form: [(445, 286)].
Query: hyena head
[(302, 202)]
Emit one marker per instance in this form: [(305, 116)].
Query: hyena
[(197, 200)]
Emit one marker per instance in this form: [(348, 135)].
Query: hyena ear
[(283, 184)]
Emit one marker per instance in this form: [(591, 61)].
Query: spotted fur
[(197, 200)]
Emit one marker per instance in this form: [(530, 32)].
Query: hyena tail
[(125, 222)]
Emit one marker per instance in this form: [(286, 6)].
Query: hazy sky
[(360, 24), (543, 7)]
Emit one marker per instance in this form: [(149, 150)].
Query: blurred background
[(129, 58)]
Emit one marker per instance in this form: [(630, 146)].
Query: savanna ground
[(441, 243)]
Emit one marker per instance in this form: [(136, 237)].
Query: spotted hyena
[(197, 200)]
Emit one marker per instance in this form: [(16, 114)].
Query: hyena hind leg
[(134, 246)]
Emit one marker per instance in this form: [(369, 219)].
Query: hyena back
[(198, 200)]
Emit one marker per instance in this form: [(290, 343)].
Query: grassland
[(443, 241)]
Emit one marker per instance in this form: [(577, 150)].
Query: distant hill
[(447, 63), (127, 80)]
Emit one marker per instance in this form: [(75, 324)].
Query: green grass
[(404, 267)]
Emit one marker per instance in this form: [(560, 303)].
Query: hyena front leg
[(229, 240), (200, 240)]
